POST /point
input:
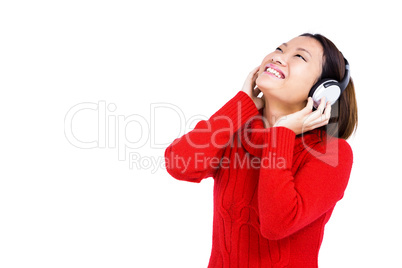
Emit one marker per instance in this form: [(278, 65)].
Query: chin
[(268, 89), (265, 83)]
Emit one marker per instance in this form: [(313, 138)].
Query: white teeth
[(275, 72)]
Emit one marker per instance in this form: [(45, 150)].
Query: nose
[(278, 59)]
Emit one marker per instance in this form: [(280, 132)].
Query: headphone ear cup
[(316, 85), (328, 88)]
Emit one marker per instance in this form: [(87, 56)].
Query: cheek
[(303, 81)]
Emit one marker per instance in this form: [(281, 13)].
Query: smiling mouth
[(274, 72)]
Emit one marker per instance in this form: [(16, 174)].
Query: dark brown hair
[(344, 118)]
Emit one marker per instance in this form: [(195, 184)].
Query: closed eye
[(300, 56), (278, 48)]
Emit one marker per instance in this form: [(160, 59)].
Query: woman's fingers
[(309, 106), (320, 117), (253, 73), (320, 110), (249, 87), (306, 120), (328, 110), (256, 69), (249, 83)]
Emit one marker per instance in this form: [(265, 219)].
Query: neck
[(274, 110)]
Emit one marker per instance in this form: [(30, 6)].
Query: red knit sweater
[(273, 191)]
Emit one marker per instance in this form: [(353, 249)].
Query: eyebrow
[(301, 49)]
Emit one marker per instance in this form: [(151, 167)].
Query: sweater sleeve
[(196, 155), (288, 202)]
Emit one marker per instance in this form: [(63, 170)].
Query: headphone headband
[(345, 81)]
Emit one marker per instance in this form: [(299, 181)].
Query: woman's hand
[(250, 88), (305, 119)]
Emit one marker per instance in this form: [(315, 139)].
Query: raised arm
[(196, 155)]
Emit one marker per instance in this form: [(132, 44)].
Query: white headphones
[(330, 88)]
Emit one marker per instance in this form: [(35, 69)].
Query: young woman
[(279, 164)]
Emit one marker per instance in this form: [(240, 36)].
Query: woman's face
[(288, 73)]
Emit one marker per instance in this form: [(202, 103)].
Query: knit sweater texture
[(274, 191)]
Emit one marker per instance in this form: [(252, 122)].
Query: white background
[(65, 206)]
